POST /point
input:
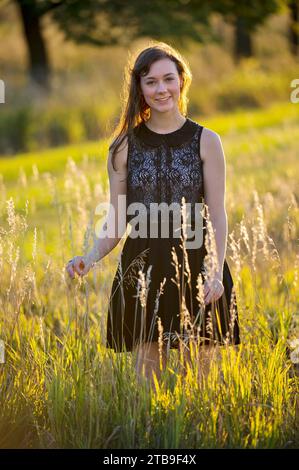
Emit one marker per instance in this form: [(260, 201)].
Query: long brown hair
[(135, 109)]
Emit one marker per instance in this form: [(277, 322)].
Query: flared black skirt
[(155, 295)]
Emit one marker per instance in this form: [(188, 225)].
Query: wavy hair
[(135, 109)]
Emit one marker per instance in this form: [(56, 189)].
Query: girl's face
[(161, 86)]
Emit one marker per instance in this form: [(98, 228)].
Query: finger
[(79, 268), (77, 271), (207, 293), (221, 294), (207, 289), (210, 300), (70, 271), (220, 291), (212, 296), (208, 297), (218, 294), (212, 291)]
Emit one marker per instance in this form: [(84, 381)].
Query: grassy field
[(58, 378)]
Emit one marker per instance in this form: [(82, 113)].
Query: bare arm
[(105, 243), (214, 183)]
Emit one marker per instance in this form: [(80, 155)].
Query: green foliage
[(29, 128), (252, 13), (56, 122)]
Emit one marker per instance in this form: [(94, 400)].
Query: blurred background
[(62, 62), (62, 67)]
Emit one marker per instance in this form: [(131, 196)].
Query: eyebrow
[(169, 73)]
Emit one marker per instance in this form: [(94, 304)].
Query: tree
[(106, 23), (113, 22), (246, 17), (293, 6), (31, 13)]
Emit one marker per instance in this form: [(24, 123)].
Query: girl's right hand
[(79, 265)]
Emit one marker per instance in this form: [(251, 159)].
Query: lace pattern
[(164, 171)]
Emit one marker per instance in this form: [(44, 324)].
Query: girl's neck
[(166, 123)]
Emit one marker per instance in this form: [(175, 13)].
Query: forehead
[(160, 68)]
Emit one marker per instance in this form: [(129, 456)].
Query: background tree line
[(118, 22)]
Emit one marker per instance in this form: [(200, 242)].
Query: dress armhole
[(199, 143), (201, 162)]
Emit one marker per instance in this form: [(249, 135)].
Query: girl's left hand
[(213, 290)]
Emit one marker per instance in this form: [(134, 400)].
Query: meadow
[(60, 386)]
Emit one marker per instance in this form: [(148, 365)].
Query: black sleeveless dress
[(148, 290)]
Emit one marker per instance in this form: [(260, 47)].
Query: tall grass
[(60, 387)]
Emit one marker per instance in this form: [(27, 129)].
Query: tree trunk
[(294, 26), (243, 43), (39, 67)]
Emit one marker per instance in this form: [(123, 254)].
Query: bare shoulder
[(210, 143), (120, 155)]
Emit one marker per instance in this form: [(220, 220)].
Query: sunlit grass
[(50, 160), (62, 388)]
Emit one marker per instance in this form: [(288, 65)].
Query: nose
[(161, 87)]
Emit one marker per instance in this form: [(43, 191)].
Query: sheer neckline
[(167, 133), (173, 139)]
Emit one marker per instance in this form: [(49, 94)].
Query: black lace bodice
[(165, 167)]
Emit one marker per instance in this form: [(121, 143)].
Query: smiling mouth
[(163, 99)]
